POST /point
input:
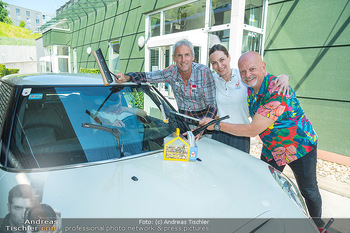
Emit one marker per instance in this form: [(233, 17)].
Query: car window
[(57, 126)]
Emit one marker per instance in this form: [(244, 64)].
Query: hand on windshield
[(121, 78)]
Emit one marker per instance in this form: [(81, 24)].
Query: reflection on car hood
[(226, 183)]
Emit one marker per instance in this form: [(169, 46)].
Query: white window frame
[(257, 30), (54, 59), (110, 52), (236, 27)]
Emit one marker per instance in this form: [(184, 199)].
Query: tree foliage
[(22, 24), (4, 13)]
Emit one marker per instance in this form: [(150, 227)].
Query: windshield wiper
[(94, 116), (185, 116), (114, 131), (200, 129)]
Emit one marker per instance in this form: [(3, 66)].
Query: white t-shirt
[(231, 98)]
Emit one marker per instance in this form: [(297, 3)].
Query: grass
[(8, 30)]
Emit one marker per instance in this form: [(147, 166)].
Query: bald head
[(252, 69), (250, 56)]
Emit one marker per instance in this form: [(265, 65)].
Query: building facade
[(307, 39), (33, 19)]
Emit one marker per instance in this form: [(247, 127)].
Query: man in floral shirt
[(285, 131)]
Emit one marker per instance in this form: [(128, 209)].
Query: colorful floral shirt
[(292, 135)]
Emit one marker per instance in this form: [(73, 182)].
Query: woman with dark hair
[(231, 96)]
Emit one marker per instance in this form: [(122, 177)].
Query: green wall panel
[(79, 54), (111, 10), (101, 15), (107, 28), (117, 26), (307, 23), (134, 21), (56, 37), (150, 5), (74, 40), (90, 20), (81, 36), (132, 65), (126, 5), (331, 122), (316, 73), (97, 30), (129, 47), (89, 31), (309, 40), (81, 22)]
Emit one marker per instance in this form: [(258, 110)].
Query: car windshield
[(57, 126)]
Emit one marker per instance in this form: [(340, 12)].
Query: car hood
[(226, 183)]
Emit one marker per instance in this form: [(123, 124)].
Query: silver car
[(94, 151)]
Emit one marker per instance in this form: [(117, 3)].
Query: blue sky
[(45, 6)]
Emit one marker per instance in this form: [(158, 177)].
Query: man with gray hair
[(192, 83)]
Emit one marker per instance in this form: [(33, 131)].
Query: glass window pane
[(48, 51), (197, 54), (221, 12), (48, 67), (167, 56), (155, 24), (185, 17), (62, 51), (62, 64), (251, 41), (114, 56), (219, 37), (154, 61), (253, 15)]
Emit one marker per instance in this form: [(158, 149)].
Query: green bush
[(12, 71), (138, 100), (22, 24), (2, 70), (90, 71)]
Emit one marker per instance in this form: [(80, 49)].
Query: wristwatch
[(217, 126)]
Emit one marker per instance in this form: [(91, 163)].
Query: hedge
[(12, 71), (4, 71), (90, 71)]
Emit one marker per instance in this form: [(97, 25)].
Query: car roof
[(54, 79)]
